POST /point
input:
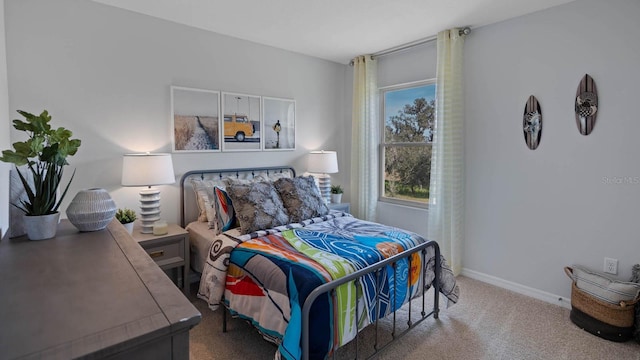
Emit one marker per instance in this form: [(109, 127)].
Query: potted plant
[(44, 154), (126, 218), (336, 194)]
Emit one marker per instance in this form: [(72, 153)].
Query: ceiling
[(336, 30)]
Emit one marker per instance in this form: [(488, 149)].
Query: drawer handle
[(156, 254)]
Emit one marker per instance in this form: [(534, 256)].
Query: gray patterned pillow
[(257, 206), (301, 198)]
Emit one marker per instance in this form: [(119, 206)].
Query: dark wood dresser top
[(91, 295)]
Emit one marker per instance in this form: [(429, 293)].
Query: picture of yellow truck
[(238, 127)]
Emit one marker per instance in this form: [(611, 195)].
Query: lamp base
[(149, 209), (324, 184)]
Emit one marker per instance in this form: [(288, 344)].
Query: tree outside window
[(409, 127)]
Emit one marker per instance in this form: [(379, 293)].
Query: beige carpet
[(487, 323)]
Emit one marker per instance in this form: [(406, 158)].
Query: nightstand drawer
[(166, 253), (170, 251)]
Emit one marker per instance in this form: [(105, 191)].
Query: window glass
[(408, 128)]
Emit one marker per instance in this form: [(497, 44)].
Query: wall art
[(586, 106), (242, 122), (279, 123), (532, 123), (195, 119)]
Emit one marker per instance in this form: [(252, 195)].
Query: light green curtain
[(364, 139), (446, 191)]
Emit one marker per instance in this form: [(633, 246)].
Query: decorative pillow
[(603, 288), (301, 198), (257, 206), (205, 199), (225, 217), (278, 175), (231, 180)]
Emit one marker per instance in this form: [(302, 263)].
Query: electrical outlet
[(611, 266)]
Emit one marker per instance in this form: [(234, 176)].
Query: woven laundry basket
[(609, 321)]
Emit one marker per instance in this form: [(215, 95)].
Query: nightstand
[(170, 251), (344, 207)]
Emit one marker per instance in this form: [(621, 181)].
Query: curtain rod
[(463, 31)]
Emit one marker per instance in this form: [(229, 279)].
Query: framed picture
[(279, 123), (195, 120), (242, 122)]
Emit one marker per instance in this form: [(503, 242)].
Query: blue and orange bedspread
[(269, 274)]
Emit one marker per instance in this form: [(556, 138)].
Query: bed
[(309, 279)]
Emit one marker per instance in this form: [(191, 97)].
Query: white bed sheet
[(200, 239)]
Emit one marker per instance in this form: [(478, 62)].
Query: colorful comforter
[(269, 274)]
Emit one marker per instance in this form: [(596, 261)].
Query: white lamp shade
[(323, 162), (147, 169)]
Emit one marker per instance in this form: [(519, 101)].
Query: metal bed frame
[(332, 285)]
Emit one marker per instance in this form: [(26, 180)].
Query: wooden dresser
[(89, 295)]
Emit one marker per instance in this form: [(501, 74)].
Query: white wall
[(105, 74), (530, 213), (416, 64), (5, 126)]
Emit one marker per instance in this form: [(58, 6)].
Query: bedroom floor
[(487, 323)]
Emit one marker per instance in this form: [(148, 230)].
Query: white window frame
[(381, 92)]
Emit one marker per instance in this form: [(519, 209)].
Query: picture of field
[(196, 119), (196, 132)]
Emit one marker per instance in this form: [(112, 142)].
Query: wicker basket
[(616, 315), (610, 321)]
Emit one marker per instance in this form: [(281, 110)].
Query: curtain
[(364, 139), (446, 191)]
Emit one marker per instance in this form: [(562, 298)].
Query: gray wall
[(105, 74), (530, 213), (5, 125)]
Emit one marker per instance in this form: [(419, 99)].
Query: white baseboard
[(518, 288)]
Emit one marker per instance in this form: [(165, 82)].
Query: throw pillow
[(257, 206), (603, 288), (205, 199), (225, 217), (301, 198)]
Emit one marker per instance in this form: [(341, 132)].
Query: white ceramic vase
[(41, 227), (336, 198), (91, 210)]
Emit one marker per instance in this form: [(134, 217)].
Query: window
[(408, 112)]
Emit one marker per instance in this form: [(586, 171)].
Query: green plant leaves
[(11, 156), (45, 154), (125, 215)]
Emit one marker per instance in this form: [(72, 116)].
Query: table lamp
[(148, 170), (323, 163)]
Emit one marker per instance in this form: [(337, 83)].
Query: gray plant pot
[(41, 227), (336, 198)]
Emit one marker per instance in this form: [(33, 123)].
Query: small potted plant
[(336, 194), (126, 218), (44, 155)]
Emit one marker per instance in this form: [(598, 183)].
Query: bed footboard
[(331, 286)]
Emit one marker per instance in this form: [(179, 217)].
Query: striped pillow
[(225, 216), (603, 288)]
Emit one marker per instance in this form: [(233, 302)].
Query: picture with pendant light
[(242, 122)]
